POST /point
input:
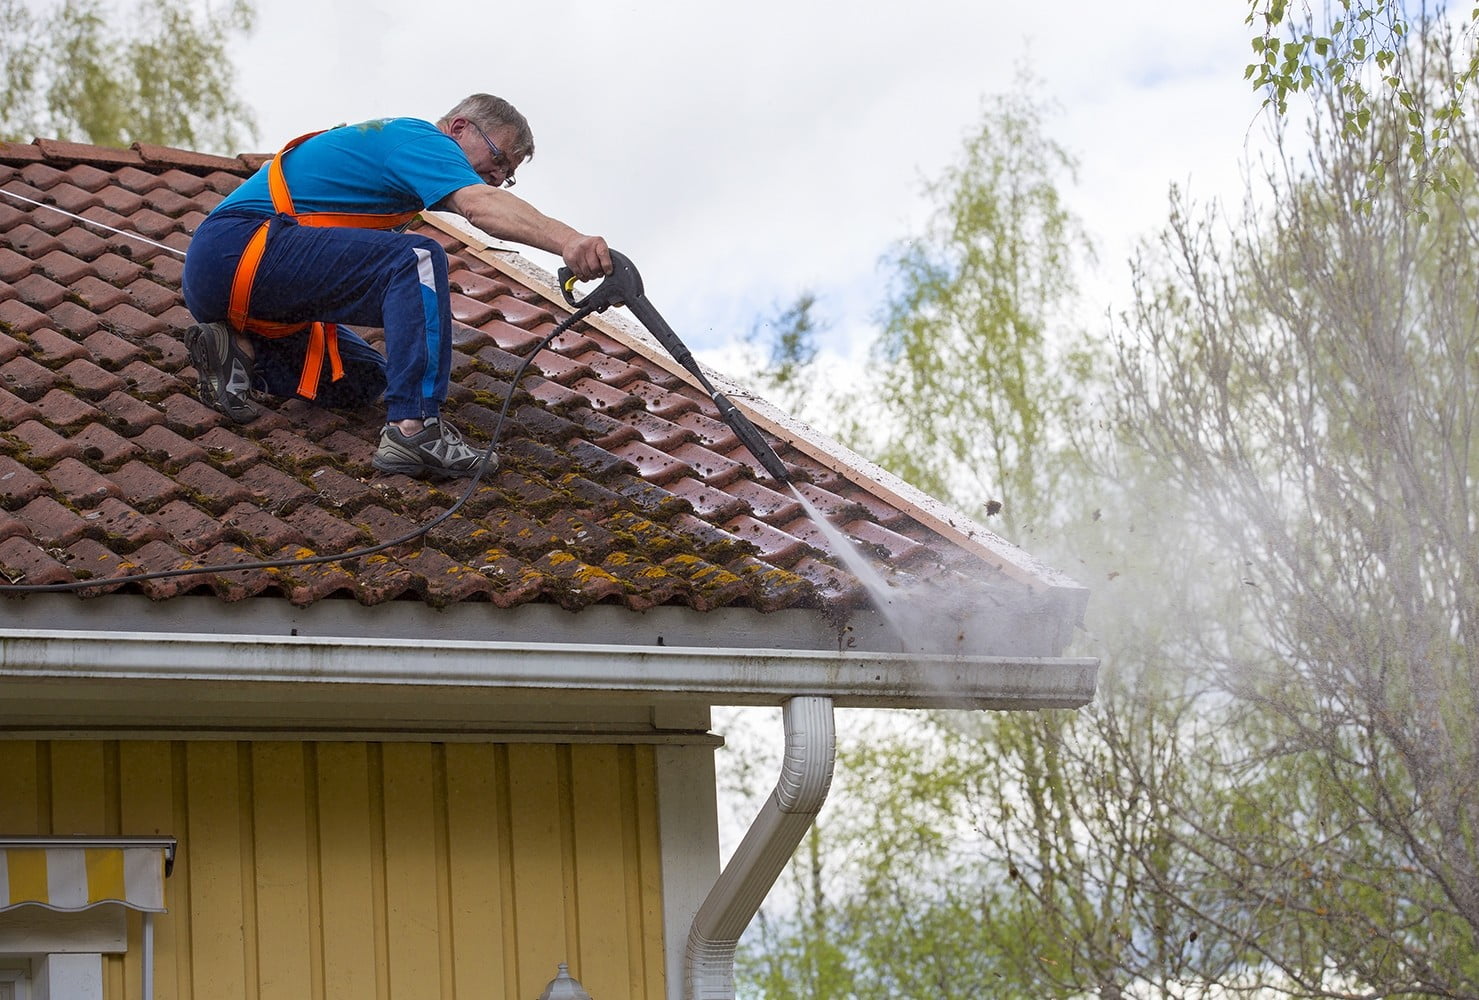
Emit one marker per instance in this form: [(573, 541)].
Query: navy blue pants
[(369, 277)]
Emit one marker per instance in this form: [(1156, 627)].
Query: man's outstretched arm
[(507, 216)]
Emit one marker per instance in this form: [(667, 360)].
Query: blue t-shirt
[(390, 165)]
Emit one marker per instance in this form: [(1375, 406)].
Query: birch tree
[(1274, 791), (1307, 379), (159, 71)]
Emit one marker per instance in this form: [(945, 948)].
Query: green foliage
[(1274, 790), (1309, 386), (159, 72), (789, 341), (1363, 50), (967, 381), (20, 57)]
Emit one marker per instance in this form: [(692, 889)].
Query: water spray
[(624, 287)]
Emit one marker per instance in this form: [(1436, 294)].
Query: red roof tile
[(617, 482), (18, 484)]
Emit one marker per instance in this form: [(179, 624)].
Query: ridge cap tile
[(156, 155), (20, 152), (57, 150)]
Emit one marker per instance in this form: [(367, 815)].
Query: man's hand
[(588, 257)]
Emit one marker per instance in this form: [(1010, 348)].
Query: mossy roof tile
[(619, 484)]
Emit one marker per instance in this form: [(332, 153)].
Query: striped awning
[(76, 873)]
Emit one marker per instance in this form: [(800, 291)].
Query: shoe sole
[(418, 470), (199, 346)]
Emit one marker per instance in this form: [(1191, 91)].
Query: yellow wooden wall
[(367, 871)]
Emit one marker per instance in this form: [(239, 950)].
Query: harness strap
[(323, 338)]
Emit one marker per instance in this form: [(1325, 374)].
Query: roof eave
[(665, 673)]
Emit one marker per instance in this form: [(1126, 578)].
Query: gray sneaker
[(224, 371), (437, 452)]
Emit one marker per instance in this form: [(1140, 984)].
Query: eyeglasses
[(498, 156)]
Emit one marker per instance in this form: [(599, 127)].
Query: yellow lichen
[(588, 573)]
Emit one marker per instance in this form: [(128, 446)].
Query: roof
[(617, 485)]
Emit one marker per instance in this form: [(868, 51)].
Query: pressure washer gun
[(624, 287)]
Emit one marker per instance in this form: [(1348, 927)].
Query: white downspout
[(146, 983), (806, 775)]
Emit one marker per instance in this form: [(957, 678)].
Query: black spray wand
[(624, 287)]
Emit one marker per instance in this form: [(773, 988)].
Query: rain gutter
[(718, 676)]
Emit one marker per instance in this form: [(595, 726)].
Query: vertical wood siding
[(397, 871)]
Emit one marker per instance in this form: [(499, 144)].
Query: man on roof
[(313, 240)]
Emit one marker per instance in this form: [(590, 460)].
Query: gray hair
[(488, 112)]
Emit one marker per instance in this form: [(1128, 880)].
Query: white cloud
[(741, 153)]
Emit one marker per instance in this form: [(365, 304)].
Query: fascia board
[(689, 674)]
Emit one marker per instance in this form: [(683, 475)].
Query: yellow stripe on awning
[(72, 874), (27, 877), (104, 873)]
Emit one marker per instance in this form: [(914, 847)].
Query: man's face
[(488, 151)]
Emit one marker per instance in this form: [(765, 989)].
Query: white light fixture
[(562, 987)]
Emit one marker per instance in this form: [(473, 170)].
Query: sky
[(740, 154)]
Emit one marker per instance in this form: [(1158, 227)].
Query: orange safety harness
[(323, 338)]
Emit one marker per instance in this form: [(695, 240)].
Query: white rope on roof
[(91, 222)]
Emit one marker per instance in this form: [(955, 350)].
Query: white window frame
[(15, 979)]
